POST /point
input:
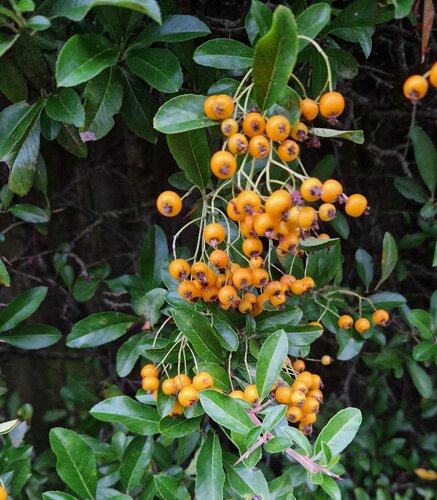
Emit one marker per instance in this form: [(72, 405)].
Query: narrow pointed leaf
[(271, 358), (210, 477)]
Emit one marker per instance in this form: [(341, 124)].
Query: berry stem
[(300, 84), (159, 330), (323, 54)]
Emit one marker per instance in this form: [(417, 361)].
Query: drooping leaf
[(6, 427), (21, 307), (411, 189), (6, 42), (426, 157), (30, 213), (314, 244), (129, 353), (180, 28), (5, 279), (210, 476), (356, 136), (271, 358)]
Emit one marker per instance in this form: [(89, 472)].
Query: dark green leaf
[(224, 53), (389, 257), (411, 189), (137, 417), (32, 336), (170, 488), (5, 279), (30, 213), (291, 315), (136, 458), (153, 253), (129, 353), (312, 20), (341, 225), (227, 336), (262, 17), (425, 351), (99, 329), (12, 81), (288, 105), (182, 113), (84, 289), (21, 307), (386, 300), (82, 58), (180, 28), (364, 265), (177, 427), (274, 58), (349, 345), (69, 138), (6, 42), (210, 476), (247, 482), (271, 358), (426, 157), (39, 23), (421, 379)]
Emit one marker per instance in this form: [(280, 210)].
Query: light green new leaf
[(339, 431), (274, 58), (270, 361), (226, 411), (76, 464), (84, 57), (389, 257), (21, 307), (210, 477)]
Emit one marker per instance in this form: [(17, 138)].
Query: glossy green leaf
[(138, 108), (273, 416), (182, 113), (364, 266), (76, 464), (274, 58), (192, 154), (425, 351), (389, 257), (21, 307), (402, 7), (99, 329), (411, 189), (158, 67), (103, 99), (70, 139), (137, 417), (29, 213), (76, 10), (348, 345), (291, 315), (32, 336), (339, 431), (84, 289), (312, 20), (356, 136), (271, 358), (170, 488), (298, 438), (247, 482), (153, 253), (262, 17), (226, 334), (314, 244), (136, 458), (341, 225), (179, 28), (426, 157), (129, 353), (224, 53), (278, 444), (177, 427), (421, 379), (39, 23), (298, 336), (386, 300), (148, 305), (226, 411), (330, 486), (66, 107), (198, 330), (210, 477), (83, 57)]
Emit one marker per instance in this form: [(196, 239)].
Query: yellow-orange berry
[(356, 205), (253, 124), (150, 383), (297, 398), (238, 144), (228, 296), (218, 107), (293, 414), (232, 212), (311, 189), (242, 278), (433, 75), (203, 380), (288, 150), (251, 393), (219, 259), (179, 269), (248, 202), (168, 387), (260, 278), (310, 405), (298, 287), (214, 234), (176, 410), (299, 132), (264, 225), (188, 396), (309, 109), (316, 394), (317, 382), (331, 105), (277, 128), (362, 325), (331, 189), (259, 146), (149, 371), (308, 419), (380, 317), (237, 394), (327, 212), (223, 164), (345, 321), (299, 365), (415, 87), (283, 395), (278, 203), (181, 381), (188, 291), (252, 247), (169, 204), (326, 360), (229, 127)]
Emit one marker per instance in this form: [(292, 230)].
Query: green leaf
[(69, 138), (386, 300), (312, 20), (341, 225), (227, 336), (218, 373), (19, 143), (356, 136), (226, 411), (331, 487), (84, 57), (314, 244), (29, 213), (288, 105), (136, 458), (348, 345), (364, 266), (84, 289), (5, 279), (182, 113), (21, 307), (426, 157), (158, 67), (39, 23), (170, 488), (279, 443), (23, 5), (246, 482), (148, 305), (298, 438), (6, 427), (273, 417), (224, 53), (300, 336), (271, 358), (153, 253), (339, 431), (57, 495), (291, 315), (49, 128), (262, 17), (6, 42), (99, 329), (32, 336), (76, 10), (66, 107), (402, 7), (274, 58), (425, 351), (137, 417), (76, 464), (198, 330), (138, 108), (180, 28), (129, 353), (411, 189), (389, 257), (13, 84), (421, 379), (192, 154), (103, 99), (210, 477), (434, 261), (177, 427)]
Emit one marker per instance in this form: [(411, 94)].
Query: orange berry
[(203, 380), (356, 205), (309, 109), (300, 386), (298, 287), (251, 394), (309, 283), (179, 269), (237, 394), (264, 225), (299, 132), (188, 291), (214, 234), (223, 164), (259, 146), (307, 420), (242, 278), (288, 150), (250, 297), (311, 189), (326, 360), (257, 262), (288, 243), (210, 293), (260, 278), (317, 382), (362, 325), (380, 317), (331, 189), (316, 394), (168, 387), (233, 213), (278, 203), (219, 259), (188, 396), (277, 128), (150, 383), (293, 414), (307, 217), (415, 87), (246, 226), (199, 270), (169, 203), (274, 288), (323, 236), (306, 429), (345, 321), (288, 280), (327, 212), (229, 127), (248, 202), (331, 105), (176, 410), (316, 323), (181, 381), (245, 306), (252, 247), (283, 395), (149, 371), (238, 144), (253, 124), (306, 378), (277, 300), (297, 398), (228, 296), (310, 405), (218, 107), (262, 299), (433, 75), (299, 365)]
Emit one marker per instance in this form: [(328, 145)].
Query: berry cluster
[(416, 86), (379, 316)]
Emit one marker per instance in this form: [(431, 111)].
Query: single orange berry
[(288, 243), (323, 236), (309, 283), (238, 144), (277, 128), (228, 296), (245, 307), (168, 387), (210, 293), (299, 132), (248, 202), (251, 394), (311, 189), (149, 371), (283, 395), (331, 189), (300, 386), (362, 325), (297, 398), (181, 381), (237, 394), (203, 380), (219, 259), (326, 360), (380, 317), (305, 429), (307, 217), (252, 247), (345, 321), (260, 278), (253, 124), (257, 262), (214, 234), (259, 146), (316, 394), (288, 150), (317, 382), (150, 384), (299, 365), (433, 75), (309, 109), (264, 225), (169, 203), (308, 419), (223, 164), (229, 127), (293, 414), (327, 212), (179, 269), (331, 105), (247, 227), (242, 278), (188, 291), (176, 410), (356, 205), (415, 87), (188, 396), (298, 287), (306, 378), (278, 203), (233, 213), (218, 107), (277, 300), (288, 280)]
